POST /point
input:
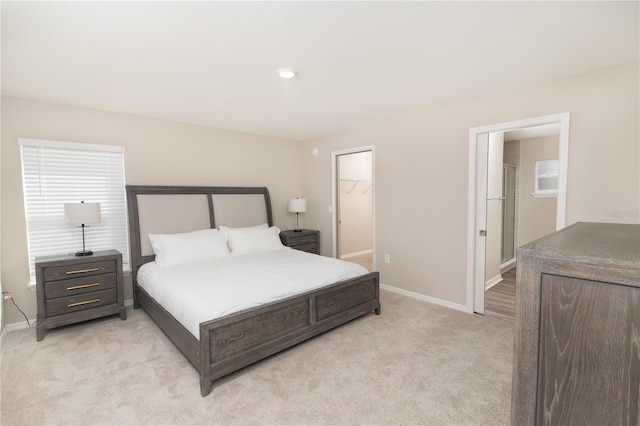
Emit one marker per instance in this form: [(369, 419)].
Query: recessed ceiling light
[(286, 72)]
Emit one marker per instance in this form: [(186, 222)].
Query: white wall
[(422, 166), (157, 153)]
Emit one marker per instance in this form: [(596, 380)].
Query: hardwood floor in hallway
[(500, 300)]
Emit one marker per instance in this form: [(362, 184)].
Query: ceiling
[(213, 63)]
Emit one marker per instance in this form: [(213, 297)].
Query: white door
[(482, 167), (489, 213), (494, 209)]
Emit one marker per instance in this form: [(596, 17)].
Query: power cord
[(17, 307)]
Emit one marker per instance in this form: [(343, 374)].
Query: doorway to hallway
[(486, 197)]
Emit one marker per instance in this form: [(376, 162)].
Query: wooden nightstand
[(305, 240), (73, 289)]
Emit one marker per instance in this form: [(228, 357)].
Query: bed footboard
[(236, 341)]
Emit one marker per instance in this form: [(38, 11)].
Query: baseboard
[(424, 298), (493, 281), (509, 264), (15, 326), (3, 336), (355, 254)]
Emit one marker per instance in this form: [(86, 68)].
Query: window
[(54, 173), (546, 181)]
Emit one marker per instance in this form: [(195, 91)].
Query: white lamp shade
[(82, 213), (297, 205)]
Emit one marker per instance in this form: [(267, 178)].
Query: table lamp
[(82, 214)]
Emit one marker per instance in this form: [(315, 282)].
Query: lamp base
[(84, 253), (297, 230)]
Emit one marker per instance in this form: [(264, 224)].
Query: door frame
[(474, 249), (334, 196)]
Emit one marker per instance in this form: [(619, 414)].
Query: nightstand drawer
[(307, 239), (81, 285), (65, 305), (309, 248), (78, 270)]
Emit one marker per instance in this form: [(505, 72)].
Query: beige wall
[(157, 153), (355, 219), (536, 215), (2, 321), (422, 173), (512, 153)]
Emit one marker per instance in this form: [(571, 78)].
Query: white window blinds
[(54, 173)]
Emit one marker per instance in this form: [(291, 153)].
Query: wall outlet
[(387, 258), (6, 295)]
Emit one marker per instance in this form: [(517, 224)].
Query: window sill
[(544, 194)]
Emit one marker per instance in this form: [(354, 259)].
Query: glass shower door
[(508, 245)]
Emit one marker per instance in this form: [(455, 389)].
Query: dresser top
[(615, 243)]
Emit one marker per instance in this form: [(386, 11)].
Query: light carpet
[(417, 363)]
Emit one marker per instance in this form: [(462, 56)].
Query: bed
[(227, 343)]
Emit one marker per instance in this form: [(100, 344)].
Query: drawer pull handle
[(87, 302), (82, 271), (78, 287)]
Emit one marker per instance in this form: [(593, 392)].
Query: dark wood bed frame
[(235, 341)]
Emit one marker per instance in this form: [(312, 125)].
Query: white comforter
[(200, 292)]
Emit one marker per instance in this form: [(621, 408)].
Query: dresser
[(306, 240), (73, 289), (577, 335)]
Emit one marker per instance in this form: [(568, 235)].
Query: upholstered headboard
[(172, 209)]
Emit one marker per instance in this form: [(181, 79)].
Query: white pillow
[(224, 229), (189, 247), (254, 240)]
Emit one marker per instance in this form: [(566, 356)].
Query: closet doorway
[(353, 198)]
